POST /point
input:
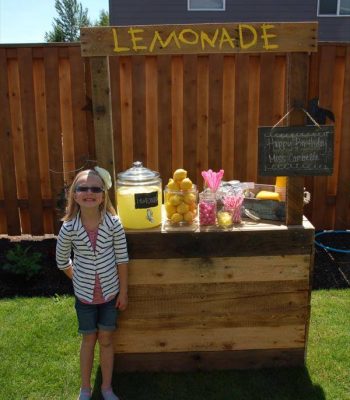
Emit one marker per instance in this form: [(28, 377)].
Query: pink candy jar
[(207, 208)]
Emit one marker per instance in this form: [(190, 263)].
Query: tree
[(103, 19), (71, 16)]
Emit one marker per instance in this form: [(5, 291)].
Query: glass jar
[(181, 206), (231, 200), (207, 208), (139, 197)]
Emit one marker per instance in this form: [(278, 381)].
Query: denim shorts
[(94, 317)]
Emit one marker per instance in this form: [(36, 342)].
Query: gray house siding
[(334, 29), (147, 12)]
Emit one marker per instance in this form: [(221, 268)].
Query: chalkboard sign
[(146, 200), (296, 150)]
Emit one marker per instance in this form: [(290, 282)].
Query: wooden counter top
[(258, 238)]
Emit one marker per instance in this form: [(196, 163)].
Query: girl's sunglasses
[(93, 189)]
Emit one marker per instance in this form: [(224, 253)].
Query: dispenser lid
[(138, 173)]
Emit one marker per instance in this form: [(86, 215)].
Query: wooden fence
[(191, 111)]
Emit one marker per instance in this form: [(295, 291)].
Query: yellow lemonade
[(139, 207)]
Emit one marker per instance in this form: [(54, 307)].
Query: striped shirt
[(111, 250)]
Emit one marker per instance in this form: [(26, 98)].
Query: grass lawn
[(39, 350)]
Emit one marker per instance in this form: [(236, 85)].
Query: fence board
[(164, 117), (228, 116), (253, 120), (151, 113), (41, 129), (139, 109), (202, 117), (18, 146), (116, 121), (25, 67), (177, 111), (54, 132), (241, 123), (215, 111), (78, 101), (126, 108), (342, 207), (320, 192), (9, 219)]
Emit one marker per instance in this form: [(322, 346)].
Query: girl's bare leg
[(106, 357), (87, 350)]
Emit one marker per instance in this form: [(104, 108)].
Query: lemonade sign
[(199, 38)]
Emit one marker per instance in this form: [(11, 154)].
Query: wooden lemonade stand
[(212, 299)]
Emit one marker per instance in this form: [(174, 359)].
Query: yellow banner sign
[(202, 38)]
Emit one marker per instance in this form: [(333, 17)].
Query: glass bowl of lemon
[(180, 202)]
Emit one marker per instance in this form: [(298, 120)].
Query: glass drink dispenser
[(139, 197)]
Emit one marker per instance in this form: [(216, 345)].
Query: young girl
[(99, 271)]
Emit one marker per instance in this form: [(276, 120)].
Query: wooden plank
[(78, 102), (126, 111), (114, 66), (90, 131), (42, 137), (209, 360), (225, 244), (202, 118), (279, 89), (9, 216), (3, 220), (296, 315), (297, 95), (219, 269), (18, 145), (199, 38), (320, 209), (342, 217), (253, 120), (190, 339), (25, 67), (102, 109), (67, 121), (139, 109), (228, 116), (177, 111), (313, 91), (54, 131), (152, 134), (164, 117), (215, 111), (266, 99), (241, 123), (190, 115), (216, 299)]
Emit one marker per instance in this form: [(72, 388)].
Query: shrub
[(21, 262)]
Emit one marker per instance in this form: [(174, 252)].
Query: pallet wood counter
[(217, 299)]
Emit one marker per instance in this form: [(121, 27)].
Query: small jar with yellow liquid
[(139, 197), (280, 187)]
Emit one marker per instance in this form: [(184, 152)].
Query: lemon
[(182, 208), (189, 198), (188, 217), (224, 218), (176, 218), (186, 184), (170, 209), (175, 199), (193, 207), (180, 174), (172, 185)]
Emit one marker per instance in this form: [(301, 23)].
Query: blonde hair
[(73, 208)]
